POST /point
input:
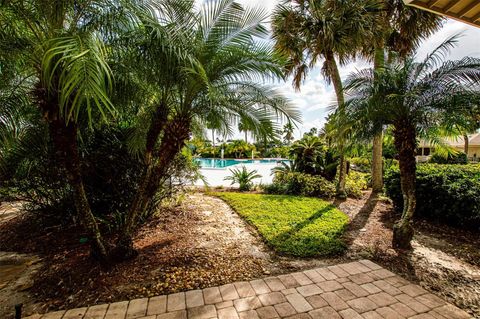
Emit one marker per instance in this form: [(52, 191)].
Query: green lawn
[(292, 225)]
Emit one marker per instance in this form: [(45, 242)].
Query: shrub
[(361, 164), (295, 183), (458, 158), (445, 193), (355, 183), (110, 176), (292, 225), (243, 177)]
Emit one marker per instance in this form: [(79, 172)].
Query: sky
[(315, 95)]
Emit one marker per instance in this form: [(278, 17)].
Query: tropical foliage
[(415, 98), (243, 177), (161, 70), (449, 194)]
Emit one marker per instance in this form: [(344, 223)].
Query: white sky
[(316, 96)]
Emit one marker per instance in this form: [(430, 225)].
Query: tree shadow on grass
[(286, 235)]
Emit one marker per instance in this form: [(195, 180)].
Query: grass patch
[(298, 226)]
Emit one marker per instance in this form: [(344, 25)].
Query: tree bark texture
[(377, 163), (405, 143), (175, 133), (332, 70), (377, 150), (64, 139)]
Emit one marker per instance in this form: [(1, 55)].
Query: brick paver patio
[(360, 289)]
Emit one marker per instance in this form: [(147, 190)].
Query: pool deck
[(356, 290), (215, 176)]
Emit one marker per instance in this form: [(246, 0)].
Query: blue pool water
[(222, 163)]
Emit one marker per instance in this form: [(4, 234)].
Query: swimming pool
[(223, 163)]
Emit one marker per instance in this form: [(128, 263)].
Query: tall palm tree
[(61, 47), (415, 98), (333, 30), (217, 63), (398, 28), (288, 131)]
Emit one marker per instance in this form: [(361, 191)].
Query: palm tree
[(243, 127), (61, 48), (216, 63), (288, 131), (243, 177), (415, 98), (307, 31), (398, 28)]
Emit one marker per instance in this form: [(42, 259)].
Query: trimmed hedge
[(295, 183), (448, 194)]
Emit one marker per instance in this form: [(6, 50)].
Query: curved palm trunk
[(65, 142), (405, 143), (64, 139), (337, 84), (176, 132), (377, 150), (466, 145)]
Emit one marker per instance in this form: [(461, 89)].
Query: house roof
[(456, 141), (467, 11), (473, 140)]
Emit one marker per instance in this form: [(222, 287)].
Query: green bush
[(243, 177), (292, 225), (355, 183), (110, 175), (295, 183), (361, 164), (445, 193), (458, 158)]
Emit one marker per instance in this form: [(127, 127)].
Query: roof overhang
[(467, 11)]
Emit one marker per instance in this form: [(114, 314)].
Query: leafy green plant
[(295, 183), (243, 177), (356, 182), (451, 158), (445, 193), (298, 226), (361, 164)]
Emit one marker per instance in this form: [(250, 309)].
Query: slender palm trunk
[(405, 143), (337, 84), (176, 132), (246, 137), (377, 150), (64, 139), (466, 145)]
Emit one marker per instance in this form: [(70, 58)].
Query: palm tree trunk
[(334, 73), (405, 143), (466, 145), (377, 151), (64, 139), (175, 134)]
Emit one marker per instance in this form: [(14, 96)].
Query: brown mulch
[(443, 260), (204, 243)]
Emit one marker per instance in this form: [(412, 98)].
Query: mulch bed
[(180, 251)]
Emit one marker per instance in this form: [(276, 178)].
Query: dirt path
[(17, 271), (444, 260), (204, 243)]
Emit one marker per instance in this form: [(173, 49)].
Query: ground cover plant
[(297, 226)]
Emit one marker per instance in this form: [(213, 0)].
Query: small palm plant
[(244, 177)]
